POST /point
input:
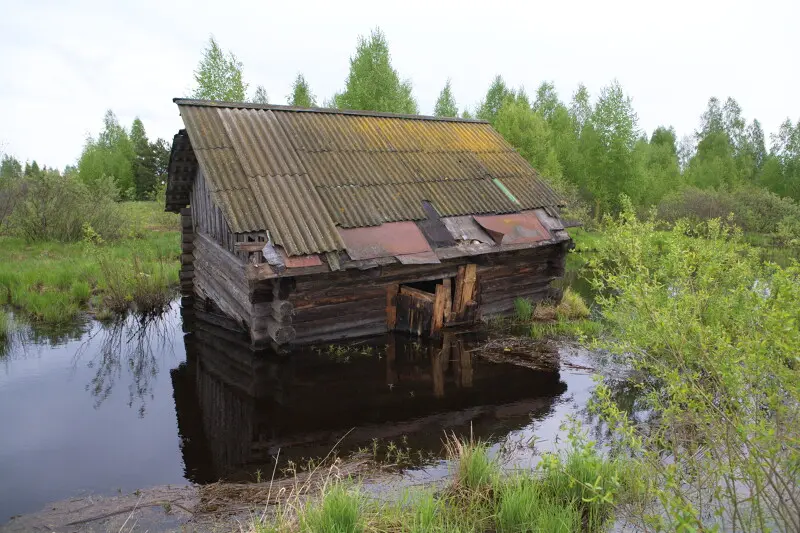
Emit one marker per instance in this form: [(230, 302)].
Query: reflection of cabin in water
[(313, 224), (238, 408)]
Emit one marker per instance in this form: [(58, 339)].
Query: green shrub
[(56, 207), (696, 205), (716, 333), (754, 209)]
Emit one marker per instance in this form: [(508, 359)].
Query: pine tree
[(144, 171), (446, 103)]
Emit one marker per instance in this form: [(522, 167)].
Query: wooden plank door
[(414, 311)]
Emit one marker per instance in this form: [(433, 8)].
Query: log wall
[(355, 303)]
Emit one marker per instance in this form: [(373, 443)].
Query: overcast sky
[(65, 62)]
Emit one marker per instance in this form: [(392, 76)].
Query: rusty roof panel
[(514, 228), (464, 228), (386, 240), (292, 213)]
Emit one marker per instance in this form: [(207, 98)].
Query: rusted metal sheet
[(386, 240), (300, 261), (300, 173), (552, 223), (514, 228), (464, 228), (422, 258)]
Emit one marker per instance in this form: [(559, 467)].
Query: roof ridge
[(320, 110)]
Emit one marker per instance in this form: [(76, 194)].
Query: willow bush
[(716, 333)]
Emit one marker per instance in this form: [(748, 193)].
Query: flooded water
[(104, 409)]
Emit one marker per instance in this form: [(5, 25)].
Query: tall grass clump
[(5, 326), (592, 483), (524, 309), (571, 307), (566, 328), (716, 333), (475, 469), (338, 511), (524, 506), (148, 285)]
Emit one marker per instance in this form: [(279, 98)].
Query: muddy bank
[(216, 507)]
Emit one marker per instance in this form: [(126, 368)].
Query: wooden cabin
[(306, 225)]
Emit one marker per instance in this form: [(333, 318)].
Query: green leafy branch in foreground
[(716, 334)]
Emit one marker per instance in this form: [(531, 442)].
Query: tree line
[(591, 148), (136, 166)]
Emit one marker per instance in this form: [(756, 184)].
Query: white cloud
[(64, 65)]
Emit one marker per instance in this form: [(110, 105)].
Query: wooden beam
[(448, 302), (249, 246), (438, 310), (458, 300), (416, 293), (391, 305)]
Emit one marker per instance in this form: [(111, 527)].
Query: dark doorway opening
[(427, 286)]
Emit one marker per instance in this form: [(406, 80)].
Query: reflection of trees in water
[(626, 393), (25, 337), (134, 342)]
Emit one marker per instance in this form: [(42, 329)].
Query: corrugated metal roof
[(300, 173)]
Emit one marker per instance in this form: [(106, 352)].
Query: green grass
[(524, 309), (563, 328), (568, 318), (339, 511), (53, 282), (5, 326), (476, 470), (523, 505), (575, 491), (586, 241)]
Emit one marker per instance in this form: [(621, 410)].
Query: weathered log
[(282, 311), (280, 333), (342, 311), (391, 305)]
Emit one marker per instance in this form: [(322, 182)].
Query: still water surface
[(105, 409)]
